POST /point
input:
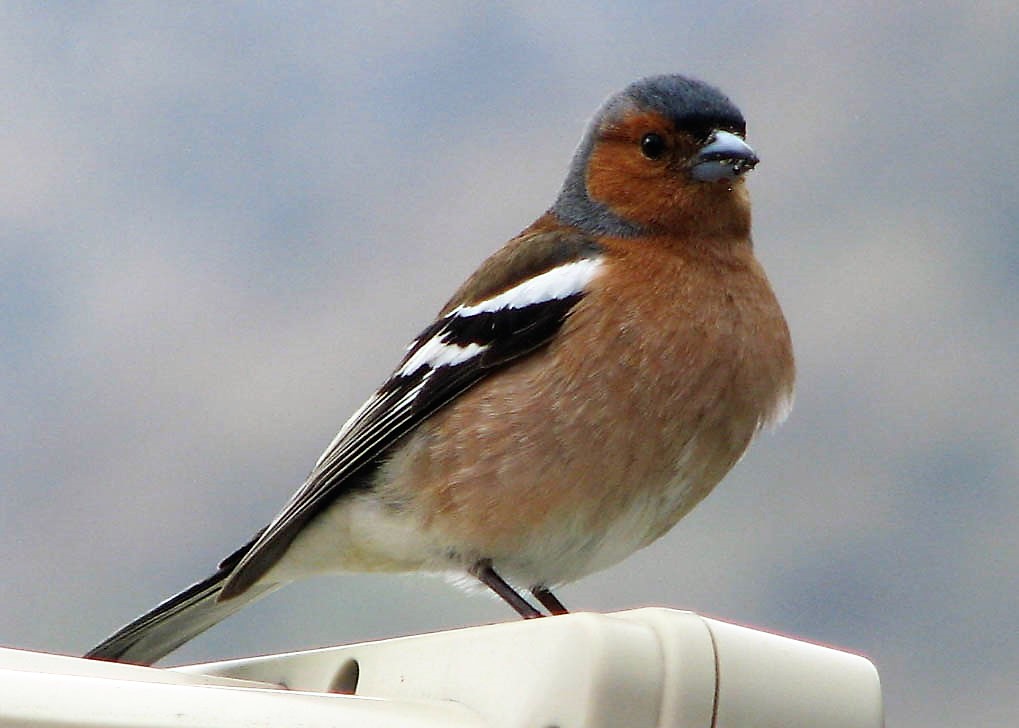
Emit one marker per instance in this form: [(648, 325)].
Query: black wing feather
[(403, 402)]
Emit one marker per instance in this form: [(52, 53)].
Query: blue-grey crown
[(692, 105)]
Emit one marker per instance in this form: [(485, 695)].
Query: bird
[(582, 391)]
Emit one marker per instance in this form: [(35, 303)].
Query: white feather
[(560, 282), (437, 353), (371, 402)]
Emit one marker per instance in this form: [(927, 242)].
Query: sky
[(221, 223)]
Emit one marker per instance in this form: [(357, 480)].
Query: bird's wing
[(515, 303)]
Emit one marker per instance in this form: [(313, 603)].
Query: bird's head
[(667, 154)]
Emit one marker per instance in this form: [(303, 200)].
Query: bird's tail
[(180, 618)]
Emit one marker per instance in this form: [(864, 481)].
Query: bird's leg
[(486, 575), (549, 600)]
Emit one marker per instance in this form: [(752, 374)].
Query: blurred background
[(221, 223)]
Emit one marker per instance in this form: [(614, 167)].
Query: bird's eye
[(652, 146)]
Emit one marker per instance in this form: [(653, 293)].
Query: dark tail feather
[(180, 618)]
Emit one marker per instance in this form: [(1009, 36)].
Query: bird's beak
[(724, 157)]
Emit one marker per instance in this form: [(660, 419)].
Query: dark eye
[(652, 146)]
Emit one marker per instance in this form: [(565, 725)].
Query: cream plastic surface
[(658, 668)]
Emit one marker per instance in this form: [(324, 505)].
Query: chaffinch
[(586, 387)]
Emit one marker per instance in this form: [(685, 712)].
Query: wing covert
[(540, 279)]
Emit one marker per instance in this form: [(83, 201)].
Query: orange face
[(640, 169)]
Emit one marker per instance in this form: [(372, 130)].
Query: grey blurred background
[(221, 223)]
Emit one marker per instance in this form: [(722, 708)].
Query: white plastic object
[(657, 668)]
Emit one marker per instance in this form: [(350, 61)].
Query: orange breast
[(649, 395)]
